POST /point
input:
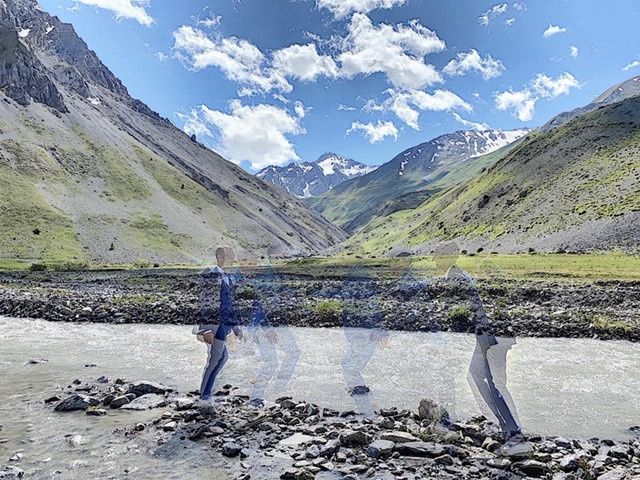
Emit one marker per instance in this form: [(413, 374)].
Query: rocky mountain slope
[(88, 173), (411, 177), (310, 179), (627, 89), (574, 187)]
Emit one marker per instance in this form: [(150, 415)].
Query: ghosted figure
[(214, 334), (268, 340), (362, 321), (488, 369)]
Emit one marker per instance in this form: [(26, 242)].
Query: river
[(572, 387)]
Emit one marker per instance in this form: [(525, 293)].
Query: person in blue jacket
[(214, 334)]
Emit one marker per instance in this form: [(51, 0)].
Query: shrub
[(142, 264), (38, 267), (460, 317), (328, 308)]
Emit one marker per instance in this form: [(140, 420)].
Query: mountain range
[(412, 176), (311, 179), (573, 185), (90, 174)]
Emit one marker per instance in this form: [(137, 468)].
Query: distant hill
[(425, 168), (310, 179), (89, 174), (574, 187)]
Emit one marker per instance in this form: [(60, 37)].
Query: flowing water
[(572, 387)]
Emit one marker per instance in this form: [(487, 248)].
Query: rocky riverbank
[(607, 310), (298, 440)]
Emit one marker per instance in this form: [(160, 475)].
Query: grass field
[(587, 267)]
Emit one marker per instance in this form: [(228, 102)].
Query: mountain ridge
[(115, 181), (355, 202), (310, 179)]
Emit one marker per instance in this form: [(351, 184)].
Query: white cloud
[(488, 67), (523, 102), (548, 87), (408, 105), (129, 9), (397, 51), (574, 51), (522, 6), (238, 59), (510, 21), (193, 124), (553, 30), (346, 108), (304, 62), (343, 8), (630, 65), (210, 22), (256, 134), (472, 125), (493, 12), (375, 133), (298, 107), (161, 56)]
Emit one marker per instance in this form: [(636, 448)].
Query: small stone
[(76, 440), (16, 458), (420, 449), (231, 449), (432, 412), (183, 404), (140, 427), (170, 427), (11, 473), (501, 463), (96, 412), (359, 390)]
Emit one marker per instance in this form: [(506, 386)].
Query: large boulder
[(76, 402), (146, 402)]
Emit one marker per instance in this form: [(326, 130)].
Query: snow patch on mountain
[(309, 179)]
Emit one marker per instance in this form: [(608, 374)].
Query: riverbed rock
[(119, 402), (618, 473), (144, 388), (11, 473), (231, 449), (532, 468), (380, 449), (146, 402), (420, 449), (432, 412), (76, 402), (183, 404), (351, 438), (399, 437), (96, 412)]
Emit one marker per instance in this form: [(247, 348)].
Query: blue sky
[(273, 81)]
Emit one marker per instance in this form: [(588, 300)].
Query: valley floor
[(528, 296)]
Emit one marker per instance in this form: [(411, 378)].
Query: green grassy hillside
[(575, 187)]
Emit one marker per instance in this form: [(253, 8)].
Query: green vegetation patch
[(31, 231), (151, 233)]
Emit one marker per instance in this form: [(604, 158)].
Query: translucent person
[(214, 331), (488, 369), (268, 340), (362, 321)]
